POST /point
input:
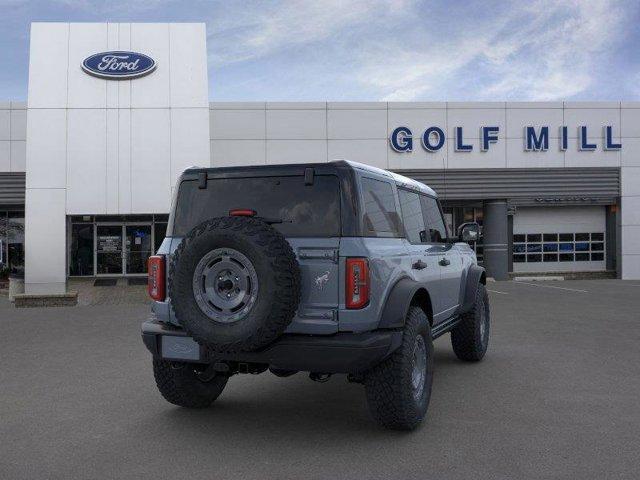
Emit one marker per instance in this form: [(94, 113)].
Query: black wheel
[(470, 338), (182, 385), (399, 388), (234, 283)]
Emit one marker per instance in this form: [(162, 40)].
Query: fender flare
[(397, 304), (474, 276)]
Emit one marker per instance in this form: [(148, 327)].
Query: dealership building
[(116, 111)]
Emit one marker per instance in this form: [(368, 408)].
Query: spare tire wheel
[(234, 283)]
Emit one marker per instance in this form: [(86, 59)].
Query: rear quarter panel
[(389, 261)]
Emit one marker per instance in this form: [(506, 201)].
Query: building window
[(4, 266), (81, 251), (159, 234), (558, 247), (11, 242), (114, 245), (472, 214), (455, 216)]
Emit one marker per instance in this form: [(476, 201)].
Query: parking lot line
[(496, 291), (552, 286)]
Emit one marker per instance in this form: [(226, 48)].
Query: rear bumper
[(339, 353)]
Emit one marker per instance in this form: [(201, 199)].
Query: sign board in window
[(109, 243)]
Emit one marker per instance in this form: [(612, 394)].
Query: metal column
[(496, 239)]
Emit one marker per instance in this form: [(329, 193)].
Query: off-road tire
[(388, 385), (468, 339), (277, 271), (179, 384)]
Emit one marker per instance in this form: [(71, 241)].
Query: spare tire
[(234, 283)]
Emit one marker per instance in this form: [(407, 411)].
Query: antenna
[(444, 190)]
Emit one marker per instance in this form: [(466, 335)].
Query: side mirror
[(469, 232)]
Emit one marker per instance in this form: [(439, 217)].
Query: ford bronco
[(324, 268)]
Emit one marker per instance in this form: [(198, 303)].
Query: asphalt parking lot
[(558, 396)]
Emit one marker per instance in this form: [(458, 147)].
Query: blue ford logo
[(118, 65)]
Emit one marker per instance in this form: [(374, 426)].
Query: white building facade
[(556, 184)]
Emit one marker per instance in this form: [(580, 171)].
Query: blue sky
[(363, 50)]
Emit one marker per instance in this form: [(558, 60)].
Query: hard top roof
[(325, 167), (400, 180)]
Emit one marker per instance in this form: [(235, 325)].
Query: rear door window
[(380, 215), (305, 210)]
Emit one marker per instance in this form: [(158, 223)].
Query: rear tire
[(180, 385), (470, 338), (399, 388)]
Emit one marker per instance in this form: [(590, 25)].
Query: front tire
[(399, 388), (470, 338), (180, 384)]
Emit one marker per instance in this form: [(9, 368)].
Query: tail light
[(242, 212), (357, 283), (156, 283)]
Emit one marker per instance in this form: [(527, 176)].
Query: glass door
[(138, 246), (109, 250)]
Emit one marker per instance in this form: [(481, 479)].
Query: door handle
[(419, 265), (444, 262)]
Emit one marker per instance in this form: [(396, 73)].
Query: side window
[(436, 231), (412, 216), (380, 215)]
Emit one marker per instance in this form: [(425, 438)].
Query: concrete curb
[(68, 299)]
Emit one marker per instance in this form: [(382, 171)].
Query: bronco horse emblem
[(322, 280)]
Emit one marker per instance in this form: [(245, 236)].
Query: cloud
[(409, 50), (546, 51), (390, 50), (261, 29), (102, 7), (558, 54)]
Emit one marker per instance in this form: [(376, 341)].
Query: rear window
[(380, 215), (306, 210)]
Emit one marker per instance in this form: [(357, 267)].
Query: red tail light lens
[(357, 283), (156, 283), (242, 212)]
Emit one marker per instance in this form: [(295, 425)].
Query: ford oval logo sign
[(118, 65)]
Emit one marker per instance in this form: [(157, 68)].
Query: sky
[(377, 50)]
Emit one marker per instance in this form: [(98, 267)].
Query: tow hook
[(319, 377)]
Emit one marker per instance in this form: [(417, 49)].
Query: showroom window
[(558, 247), (455, 216), (11, 242), (471, 214), (114, 245), (81, 258), (159, 231)]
